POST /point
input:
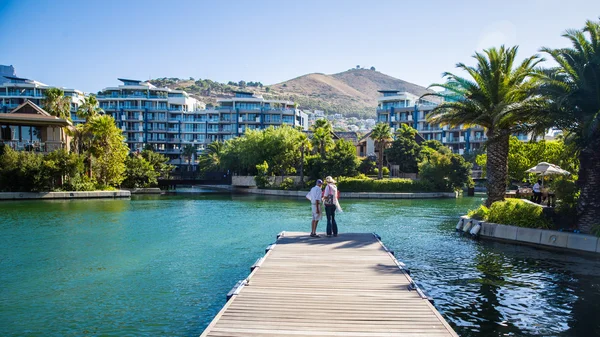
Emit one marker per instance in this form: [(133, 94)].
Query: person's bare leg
[(313, 227)]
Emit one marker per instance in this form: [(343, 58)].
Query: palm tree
[(56, 103), (497, 96), (382, 135), (573, 90), (89, 108), (322, 136), (189, 151), (304, 146), (211, 159)]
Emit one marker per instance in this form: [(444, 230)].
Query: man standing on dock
[(315, 201)]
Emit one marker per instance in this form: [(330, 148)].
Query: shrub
[(481, 213), (519, 213), (361, 184), (386, 171), (261, 179), (367, 165), (287, 184), (446, 171)]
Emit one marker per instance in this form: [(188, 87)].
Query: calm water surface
[(162, 265)]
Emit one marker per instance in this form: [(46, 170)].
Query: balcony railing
[(34, 146), (22, 94)]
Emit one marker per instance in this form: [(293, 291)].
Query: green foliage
[(322, 138), (517, 212), (139, 173), (362, 184), (386, 171), (158, 162), (342, 160), (32, 172), (108, 147), (480, 213), (447, 172), (405, 151), (262, 178), (367, 166), (89, 108), (381, 135), (525, 155), (213, 158), (287, 184), (56, 103)]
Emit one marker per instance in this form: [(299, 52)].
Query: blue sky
[(88, 44)]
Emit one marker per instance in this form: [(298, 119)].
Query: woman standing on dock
[(330, 200)]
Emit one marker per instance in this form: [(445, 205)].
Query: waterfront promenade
[(349, 285)]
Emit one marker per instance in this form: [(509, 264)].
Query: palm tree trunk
[(497, 165), (380, 161), (302, 165), (588, 205)]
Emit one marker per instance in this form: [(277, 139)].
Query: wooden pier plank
[(344, 286)]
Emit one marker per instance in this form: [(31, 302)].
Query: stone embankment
[(63, 195), (542, 238)]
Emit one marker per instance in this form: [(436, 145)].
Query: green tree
[(56, 103), (305, 146), (159, 162), (446, 171), (89, 108), (573, 92), (322, 138), (497, 96), (404, 150), (524, 155), (189, 151), (382, 135), (109, 151), (211, 159), (342, 160), (139, 173)]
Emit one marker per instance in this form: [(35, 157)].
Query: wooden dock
[(350, 285)]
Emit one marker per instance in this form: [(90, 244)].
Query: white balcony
[(445, 127), (461, 151), (141, 139), (123, 128), (257, 119), (409, 118), (392, 130), (240, 119), (141, 117), (443, 139), (240, 130), (123, 117), (462, 139)]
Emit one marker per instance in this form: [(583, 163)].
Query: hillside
[(351, 93)]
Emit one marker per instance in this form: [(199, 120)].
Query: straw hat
[(330, 180)]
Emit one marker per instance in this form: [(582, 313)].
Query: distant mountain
[(351, 93)]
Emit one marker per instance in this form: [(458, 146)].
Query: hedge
[(514, 212), (384, 185)]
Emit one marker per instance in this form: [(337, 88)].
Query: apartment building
[(16, 91), (170, 119), (396, 108), (247, 111)]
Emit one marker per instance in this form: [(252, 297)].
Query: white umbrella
[(545, 169)]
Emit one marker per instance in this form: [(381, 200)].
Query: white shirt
[(536, 187), (315, 194)]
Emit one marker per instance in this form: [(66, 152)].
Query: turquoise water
[(161, 265)]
